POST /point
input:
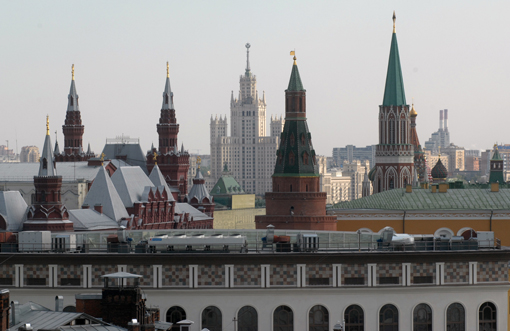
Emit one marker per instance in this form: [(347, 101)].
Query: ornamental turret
[(496, 167)]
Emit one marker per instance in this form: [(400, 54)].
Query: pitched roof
[(394, 94), (72, 98), (227, 184), (91, 220), (13, 209), (103, 192), (423, 199), (158, 180), (131, 153), (130, 183), (168, 96), (181, 207), (198, 190)]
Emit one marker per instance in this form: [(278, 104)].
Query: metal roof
[(158, 180), (131, 153), (423, 199), (70, 171), (130, 183), (181, 207), (121, 275), (91, 220), (13, 208), (103, 192)]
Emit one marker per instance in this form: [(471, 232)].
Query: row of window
[(354, 317)]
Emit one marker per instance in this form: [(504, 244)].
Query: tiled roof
[(423, 199), (91, 220)]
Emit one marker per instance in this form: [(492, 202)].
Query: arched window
[(392, 184), (422, 318), (388, 318), (291, 158), (455, 317), (392, 131), (175, 314), (211, 319), (283, 319), (354, 318), (318, 319), (247, 319), (487, 317)]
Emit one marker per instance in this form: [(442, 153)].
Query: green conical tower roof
[(394, 94), (296, 156), (496, 155), (295, 80)]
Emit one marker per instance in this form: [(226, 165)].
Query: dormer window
[(45, 163)]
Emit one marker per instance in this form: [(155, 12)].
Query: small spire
[(102, 159), (167, 70), (47, 125), (72, 70), (155, 158), (394, 19), (247, 57)]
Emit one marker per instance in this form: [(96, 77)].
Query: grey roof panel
[(158, 180), (131, 153), (91, 220), (130, 183), (14, 209)]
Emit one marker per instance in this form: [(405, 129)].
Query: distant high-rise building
[(249, 154), (351, 153), (394, 158), (29, 154), (440, 138)]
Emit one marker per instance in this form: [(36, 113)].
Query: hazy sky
[(454, 55)]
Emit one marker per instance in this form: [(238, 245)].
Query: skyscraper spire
[(394, 94), (168, 96), (72, 103), (248, 58)]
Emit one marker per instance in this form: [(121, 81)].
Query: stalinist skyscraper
[(248, 153)]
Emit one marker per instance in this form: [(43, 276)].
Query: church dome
[(413, 112), (439, 171), (371, 174)]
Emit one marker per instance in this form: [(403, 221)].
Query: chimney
[(446, 120), (59, 303), (85, 206), (409, 188), (98, 208), (495, 187), (441, 119)]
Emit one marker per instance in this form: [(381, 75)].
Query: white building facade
[(248, 152)]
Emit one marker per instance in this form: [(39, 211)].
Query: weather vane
[(102, 158), (294, 54), (155, 158), (199, 159), (72, 70)]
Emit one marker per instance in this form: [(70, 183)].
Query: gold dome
[(413, 111)]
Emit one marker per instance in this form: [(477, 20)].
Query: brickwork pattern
[(247, 275), (492, 272), (319, 271), (354, 271), (100, 270), (36, 271), (175, 275), (389, 270), (211, 275), (283, 275), (456, 272), (424, 270), (7, 271), (142, 270)]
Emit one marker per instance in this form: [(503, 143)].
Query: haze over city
[(454, 56)]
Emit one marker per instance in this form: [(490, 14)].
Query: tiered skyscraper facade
[(248, 153)]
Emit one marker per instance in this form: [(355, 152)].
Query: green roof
[(424, 199), (394, 94), (496, 155), (226, 185), (295, 80)]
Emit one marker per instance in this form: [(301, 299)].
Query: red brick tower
[(47, 213), (174, 164), (296, 202), (73, 131), (394, 156)]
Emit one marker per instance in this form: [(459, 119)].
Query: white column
[(193, 276), (372, 275), (439, 273), (473, 272), (53, 279), (406, 274), (265, 275), (157, 275), (86, 276), (19, 275), (229, 275), (301, 275), (337, 275)]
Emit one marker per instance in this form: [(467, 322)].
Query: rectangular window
[(388, 280), (36, 281), (5, 281), (423, 280), (318, 281), (70, 282), (354, 280)]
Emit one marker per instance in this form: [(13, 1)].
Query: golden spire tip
[(47, 125), (394, 19), (72, 70), (167, 70)]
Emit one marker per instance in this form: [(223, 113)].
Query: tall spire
[(394, 94), (247, 59), (72, 102), (168, 96), (46, 163)]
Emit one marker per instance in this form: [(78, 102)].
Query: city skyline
[(452, 58)]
